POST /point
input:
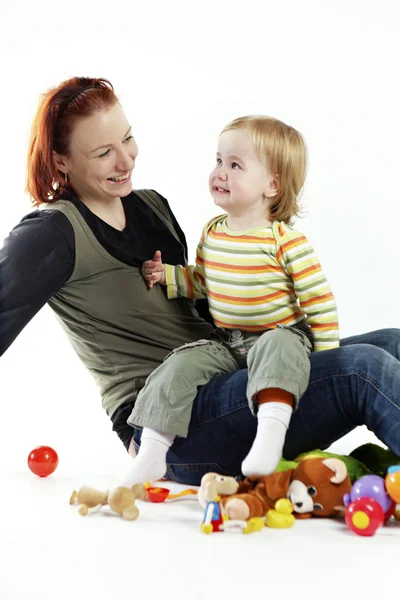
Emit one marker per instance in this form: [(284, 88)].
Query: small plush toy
[(121, 500), (315, 488)]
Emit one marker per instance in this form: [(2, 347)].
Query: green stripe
[(253, 313), (243, 283), (311, 284), (297, 254)]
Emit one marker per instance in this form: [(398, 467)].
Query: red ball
[(364, 516), (43, 461)]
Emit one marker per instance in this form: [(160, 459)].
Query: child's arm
[(180, 281), (315, 296), (187, 281)]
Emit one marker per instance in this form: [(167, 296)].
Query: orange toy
[(392, 482), (160, 494)]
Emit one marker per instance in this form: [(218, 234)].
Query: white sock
[(266, 451), (150, 463)]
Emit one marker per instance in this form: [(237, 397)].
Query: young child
[(267, 294)]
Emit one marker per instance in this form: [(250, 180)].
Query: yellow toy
[(281, 517)]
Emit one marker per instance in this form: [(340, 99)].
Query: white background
[(182, 70)]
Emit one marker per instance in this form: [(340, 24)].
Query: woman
[(83, 254)]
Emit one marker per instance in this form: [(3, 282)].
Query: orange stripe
[(253, 239), (307, 271), (325, 326), (316, 299), (298, 241)]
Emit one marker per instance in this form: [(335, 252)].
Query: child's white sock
[(150, 462), (266, 451)]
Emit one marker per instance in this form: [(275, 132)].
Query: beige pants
[(278, 358)]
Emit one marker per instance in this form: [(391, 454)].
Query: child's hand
[(153, 270)]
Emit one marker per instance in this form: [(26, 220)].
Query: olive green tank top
[(119, 328)]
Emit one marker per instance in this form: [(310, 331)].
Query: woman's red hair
[(52, 127)]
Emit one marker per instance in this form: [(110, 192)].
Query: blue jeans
[(356, 384)]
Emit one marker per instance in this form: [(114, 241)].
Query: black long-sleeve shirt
[(39, 254)]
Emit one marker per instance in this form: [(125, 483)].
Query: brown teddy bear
[(315, 488)]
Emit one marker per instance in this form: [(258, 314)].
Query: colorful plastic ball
[(43, 461), (393, 485), (364, 516), (370, 486)]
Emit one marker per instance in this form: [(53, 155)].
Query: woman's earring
[(66, 178)]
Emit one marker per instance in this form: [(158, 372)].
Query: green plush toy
[(365, 460), (375, 458)]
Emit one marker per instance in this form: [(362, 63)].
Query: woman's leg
[(359, 387), (350, 386), (387, 339)]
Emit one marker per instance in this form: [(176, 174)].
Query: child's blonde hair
[(285, 151)]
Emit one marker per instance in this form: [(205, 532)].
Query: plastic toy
[(392, 482), (370, 486), (364, 516), (255, 524), (281, 516), (212, 486), (213, 517), (161, 494), (121, 500), (43, 461), (157, 494)]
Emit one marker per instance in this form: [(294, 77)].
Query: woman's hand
[(153, 270)]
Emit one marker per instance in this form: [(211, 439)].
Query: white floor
[(50, 552)]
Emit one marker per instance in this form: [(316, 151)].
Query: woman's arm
[(37, 258)]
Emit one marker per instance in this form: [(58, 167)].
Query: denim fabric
[(357, 384)]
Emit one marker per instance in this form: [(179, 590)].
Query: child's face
[(240, 182)]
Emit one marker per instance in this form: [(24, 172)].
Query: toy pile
[(364, 487)]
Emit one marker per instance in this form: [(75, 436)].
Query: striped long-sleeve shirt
[(257, 279)]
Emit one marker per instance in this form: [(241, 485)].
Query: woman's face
[(102, 156)]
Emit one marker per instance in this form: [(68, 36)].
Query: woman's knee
[(362, 359)]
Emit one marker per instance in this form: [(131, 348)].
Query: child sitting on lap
[(267, 294)]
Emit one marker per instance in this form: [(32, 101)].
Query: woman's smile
[(120, 179)]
